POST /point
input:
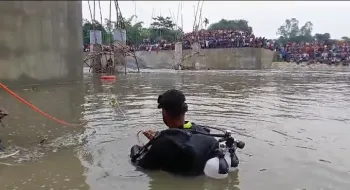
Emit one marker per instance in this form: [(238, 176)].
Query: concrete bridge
[(40, 41)]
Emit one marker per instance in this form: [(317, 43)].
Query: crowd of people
[(226, 39), (148, 45), (328, 52)]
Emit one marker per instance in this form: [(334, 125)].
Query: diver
[(177, 150)]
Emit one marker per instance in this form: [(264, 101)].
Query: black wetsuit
[(180, 151)]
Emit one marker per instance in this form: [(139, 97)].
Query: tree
[(306, 30), (290, 29), (87, 26), (134, 32), (347, 39), (160, 28), (231, 24), (163, 28), (206, 22), (291, 32), (160, 22), (94, 24), (322, 37)]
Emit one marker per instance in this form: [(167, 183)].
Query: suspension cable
[(94, 21), (102, 37), (99, 4)]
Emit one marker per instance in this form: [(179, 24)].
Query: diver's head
[(174, 107)]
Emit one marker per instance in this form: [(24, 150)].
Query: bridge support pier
[(41, 41), (178, 56)]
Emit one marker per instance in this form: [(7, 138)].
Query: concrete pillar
[(41, 41), (119, 37), (196, 49), (97, 60), (178, 56)]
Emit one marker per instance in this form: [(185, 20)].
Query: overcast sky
[(264, 17)]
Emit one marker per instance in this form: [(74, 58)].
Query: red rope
[(37, 109)]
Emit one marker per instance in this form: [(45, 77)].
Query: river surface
[(296, 126)]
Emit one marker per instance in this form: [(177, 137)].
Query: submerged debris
[(326, 161), (286, 135), (41, 143), (305, 147)]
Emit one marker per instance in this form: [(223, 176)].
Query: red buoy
[(108, 77)]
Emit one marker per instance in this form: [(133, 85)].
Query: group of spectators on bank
[(213, 39), (226, 39), (328, 52), (148, 45)]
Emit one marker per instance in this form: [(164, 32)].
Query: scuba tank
[(219, 166), (225, 160)]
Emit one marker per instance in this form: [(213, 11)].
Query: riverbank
[(220, 59), (305, 66)]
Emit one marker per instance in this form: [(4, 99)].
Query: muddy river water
[(296, 125)]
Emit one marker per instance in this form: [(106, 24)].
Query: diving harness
[(216, 167)]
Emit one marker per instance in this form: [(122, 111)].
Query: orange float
[(108, 77)]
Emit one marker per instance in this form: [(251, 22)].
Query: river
[(295, 125)]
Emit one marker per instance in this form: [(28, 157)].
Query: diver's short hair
[(174, 102)]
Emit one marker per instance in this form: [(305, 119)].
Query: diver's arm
[(154, 159)]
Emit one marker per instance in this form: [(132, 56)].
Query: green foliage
[(162, 28), (230, 24), (347, 39), (322, 37), (290, 31), (87, 26)]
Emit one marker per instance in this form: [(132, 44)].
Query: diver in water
[(176, 150)]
